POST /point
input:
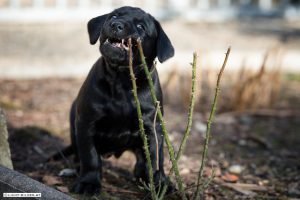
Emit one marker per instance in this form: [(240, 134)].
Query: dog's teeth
[(122, 41)]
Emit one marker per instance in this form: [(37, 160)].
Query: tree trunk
[(5, 159)]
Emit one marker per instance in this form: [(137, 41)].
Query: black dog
[(103, 116)]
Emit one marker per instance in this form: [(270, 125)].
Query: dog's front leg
[(90, 162)]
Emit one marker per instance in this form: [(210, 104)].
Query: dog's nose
[(117, 26)]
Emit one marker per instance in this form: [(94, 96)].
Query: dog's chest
[(117, 107), (118, 125), (119, 102)]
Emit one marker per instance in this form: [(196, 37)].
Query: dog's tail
[(66, 152)]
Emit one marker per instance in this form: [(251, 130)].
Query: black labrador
[(103, 116)]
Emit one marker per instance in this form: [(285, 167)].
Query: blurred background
[(45, 55)]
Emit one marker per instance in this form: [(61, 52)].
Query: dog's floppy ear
[(95, 26), (164, 48)]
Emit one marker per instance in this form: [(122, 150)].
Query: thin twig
[(209, 122), (210, 179), (141, 123), (155, 134), (191, 110), (160, 117)]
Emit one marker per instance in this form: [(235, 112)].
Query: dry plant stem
[(155, 134), (141, 124), (190, 114), (191, 110), (160, 117), (209, 122)]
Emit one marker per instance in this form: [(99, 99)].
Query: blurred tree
[(295, 2)]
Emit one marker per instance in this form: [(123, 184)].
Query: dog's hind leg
[(72, 131)]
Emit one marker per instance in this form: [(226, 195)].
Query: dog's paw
[(87, 188), (88, 185), (161, 180), (171, 187)]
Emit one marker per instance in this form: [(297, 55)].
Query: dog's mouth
[(117, 43)]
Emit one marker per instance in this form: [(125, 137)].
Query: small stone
[(245, 119), (201, 127), (293, 189), (263, 182), (185, 171), (236, 169), (242, 142), (67, 172)]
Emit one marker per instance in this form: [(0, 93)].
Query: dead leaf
[(216, 170), (230, 178), (51, 180)]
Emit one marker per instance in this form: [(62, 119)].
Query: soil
[(262, 145)]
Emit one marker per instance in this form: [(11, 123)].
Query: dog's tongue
[(120, 45)]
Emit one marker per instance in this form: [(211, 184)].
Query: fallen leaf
[(216, 170), (51, 180), (63, 189), (230, 178)]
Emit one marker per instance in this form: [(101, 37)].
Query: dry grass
[(246, 89), (254, 90)]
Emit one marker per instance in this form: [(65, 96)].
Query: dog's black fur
[(103, 116)]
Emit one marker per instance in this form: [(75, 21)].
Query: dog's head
[(114, 29)]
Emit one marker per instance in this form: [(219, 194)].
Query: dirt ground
[(255, 155)]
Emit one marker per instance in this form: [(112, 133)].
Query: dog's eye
[(113, 17), (140, 26)]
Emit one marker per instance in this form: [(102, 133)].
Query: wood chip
[(63, 189), (244, 188), (52, 180)]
